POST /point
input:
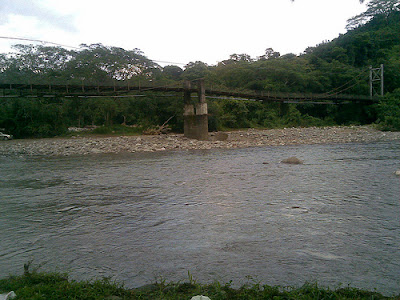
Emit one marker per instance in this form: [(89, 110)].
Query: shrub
[(388, 111)]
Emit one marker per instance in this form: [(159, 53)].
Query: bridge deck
[(48, 90)]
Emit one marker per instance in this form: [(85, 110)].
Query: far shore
[(87, 145)]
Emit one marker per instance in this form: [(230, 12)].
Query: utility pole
[(376, 75)]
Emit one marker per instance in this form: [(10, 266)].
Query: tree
[(94, 63), (101, 64), (389, 112), (241, 57), (375, 8), (172, 72), (269, 54), (195, 70), (30, 64)]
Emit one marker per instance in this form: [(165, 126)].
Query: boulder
[(8, 296), (397, 173), (292, 160), (200, 297)]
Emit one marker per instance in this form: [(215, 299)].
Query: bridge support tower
[(195, 115)]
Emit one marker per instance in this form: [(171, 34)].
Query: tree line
[(340, 65)]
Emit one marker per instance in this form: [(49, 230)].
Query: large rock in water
[(292, 160)]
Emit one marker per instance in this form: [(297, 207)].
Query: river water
[(220, 214)]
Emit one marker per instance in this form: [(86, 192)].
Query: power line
[(73, 47), (169, 62), (35, 40)]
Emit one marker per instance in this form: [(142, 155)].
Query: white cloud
[(182, 30), (10, 8)]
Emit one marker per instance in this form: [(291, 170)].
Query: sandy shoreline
[(235, 139)]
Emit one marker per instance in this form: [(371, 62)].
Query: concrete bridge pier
[(195, 116)]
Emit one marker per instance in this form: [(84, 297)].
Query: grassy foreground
[(37, 285)]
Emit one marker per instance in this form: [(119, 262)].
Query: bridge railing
[(124, 88)]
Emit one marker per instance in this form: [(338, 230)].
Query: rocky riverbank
[(235, 139)]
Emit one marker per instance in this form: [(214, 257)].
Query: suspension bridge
[(195, 114), (18, 90)]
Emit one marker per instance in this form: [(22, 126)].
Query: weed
[(35, 285)]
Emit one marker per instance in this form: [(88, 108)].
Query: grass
[(38, 285), (105, 131), (116, 130)]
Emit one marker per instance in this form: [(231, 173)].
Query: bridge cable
[(339, 89)]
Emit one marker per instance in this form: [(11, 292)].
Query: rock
[(397, 173), (292, 160), (200, 297), (219, 136), (234, 139), (8, 296), (96, 151)]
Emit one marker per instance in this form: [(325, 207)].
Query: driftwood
[(164, 128)]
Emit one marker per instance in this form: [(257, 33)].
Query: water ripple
[(219, 214)]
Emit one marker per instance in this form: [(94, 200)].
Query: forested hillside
[(341, 65)]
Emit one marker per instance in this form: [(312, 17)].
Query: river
[(220, 214)]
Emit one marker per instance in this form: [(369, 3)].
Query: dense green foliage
[(33, 285), (93, 64), (389, 112), (46, 117), (339, 66), (375, 8)]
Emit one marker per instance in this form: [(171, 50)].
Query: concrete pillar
[(201, 91), (201, 109), (189, 118), (186, 92), (195, 120), (202, 112), (188, 110)]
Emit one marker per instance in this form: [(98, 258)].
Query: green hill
[(338, 66)]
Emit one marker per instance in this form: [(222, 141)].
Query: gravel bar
[(234, 139)]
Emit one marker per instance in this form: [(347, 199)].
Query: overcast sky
[(179, 30)]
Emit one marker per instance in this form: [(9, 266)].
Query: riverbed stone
[(200, 297), (165, 142), (292, 160), (219, 136)]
